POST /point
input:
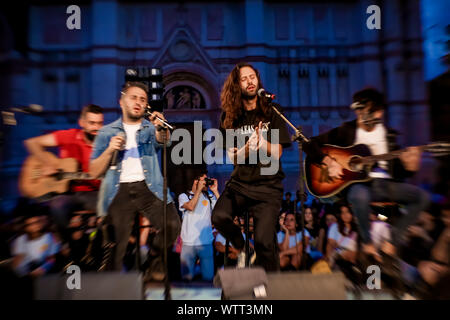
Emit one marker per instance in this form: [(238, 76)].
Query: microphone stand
[(300, 138), (167, 295), (165, 126)]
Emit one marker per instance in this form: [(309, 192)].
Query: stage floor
[(206, 291)]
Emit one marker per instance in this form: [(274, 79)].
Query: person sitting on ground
[(342, 238), (290, 247), (327, 221), (312, 227), (342, 246)]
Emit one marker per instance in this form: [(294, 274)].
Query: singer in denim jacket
[(148, 150), (125, 153)]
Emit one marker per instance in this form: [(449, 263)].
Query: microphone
[(264, 94), (30, 109), (115, 154), (149, 113)]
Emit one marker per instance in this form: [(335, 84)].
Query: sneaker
[(241, 260)]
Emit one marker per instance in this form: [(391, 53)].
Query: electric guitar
[(34, 184), (357, 162)]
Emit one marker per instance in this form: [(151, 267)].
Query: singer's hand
[(154, 120), (116, 143), (335, 170), (254, 140), (262, 143)]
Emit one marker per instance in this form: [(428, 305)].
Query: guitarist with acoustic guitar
[(384, 180), (44, 173)]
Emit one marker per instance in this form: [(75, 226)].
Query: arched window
[(184, 97)]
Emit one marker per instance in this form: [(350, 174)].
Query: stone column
[(105, 81)]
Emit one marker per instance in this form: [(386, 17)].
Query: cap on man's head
[(368, 96)]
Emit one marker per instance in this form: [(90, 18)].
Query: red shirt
[(72, 145)]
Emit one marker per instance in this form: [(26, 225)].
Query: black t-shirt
[(254, 178)]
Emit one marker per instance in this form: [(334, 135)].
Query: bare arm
[(219, 247), (285, 244), (17, 260), (191, 204), (331, 247), (36, 147), (297, 249), (215, 188), (349, 255)]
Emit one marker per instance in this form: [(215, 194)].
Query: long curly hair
[(232, 100)]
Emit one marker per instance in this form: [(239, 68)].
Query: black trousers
[(265, 218), (131, 199)]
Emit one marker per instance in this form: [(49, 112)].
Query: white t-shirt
[(343, 242), (36, 250), (377, 143), (196, 227), (294, 239), (131, 164), (379, 232)]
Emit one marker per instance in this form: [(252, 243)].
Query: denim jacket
[(147, 147)]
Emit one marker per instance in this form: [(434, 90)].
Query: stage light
[(153, 78)]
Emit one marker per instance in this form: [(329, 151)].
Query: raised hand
[(116, 143)]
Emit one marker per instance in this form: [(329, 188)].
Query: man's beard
[(246, 96), (134, 117), (89, 136)]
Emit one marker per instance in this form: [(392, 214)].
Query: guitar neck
[(386, 156), (76, 176)]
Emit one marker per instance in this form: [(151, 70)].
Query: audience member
[(290, 242)]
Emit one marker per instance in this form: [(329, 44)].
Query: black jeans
[(131, 199), (265, 218)]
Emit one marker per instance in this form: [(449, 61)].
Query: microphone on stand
[(31, 109), (115, 154), (165, 124), (9, 113), (262, 93)]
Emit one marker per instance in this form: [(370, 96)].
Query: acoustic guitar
[(34, 184), (357, 162)]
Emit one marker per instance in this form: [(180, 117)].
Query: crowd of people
[(36, 246)]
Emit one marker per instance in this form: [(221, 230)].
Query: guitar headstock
[(438, 149)]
